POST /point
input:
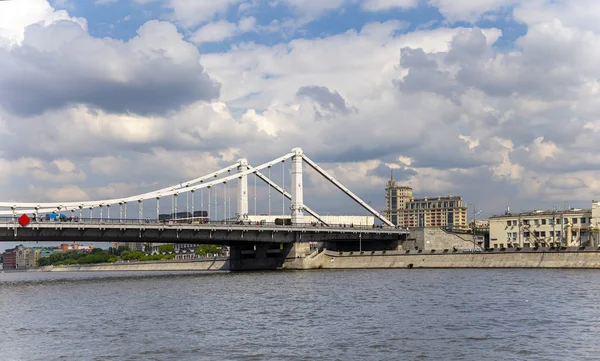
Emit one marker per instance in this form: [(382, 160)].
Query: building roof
[(543, 213)]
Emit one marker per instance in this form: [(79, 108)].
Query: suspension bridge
[(91, 220)]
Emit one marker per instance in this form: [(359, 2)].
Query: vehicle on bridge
[(184, 217), (56, 217)]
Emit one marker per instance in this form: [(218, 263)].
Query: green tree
[(166, 248), (122, 249), (205, 249)]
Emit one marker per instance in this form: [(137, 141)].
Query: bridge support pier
[(242, 202), (297, 188), (254, 257)]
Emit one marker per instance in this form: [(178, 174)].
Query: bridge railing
[(190, 222)]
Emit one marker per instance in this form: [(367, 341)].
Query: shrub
[(407, 251), (383, 251), (446, 250), (581, 247), (341, 253), (503, 248)]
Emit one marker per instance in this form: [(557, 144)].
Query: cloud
[(221, 30), (381, 5), (190, 13), (61, 65), (16, 16), (449, 109), (329, 102)]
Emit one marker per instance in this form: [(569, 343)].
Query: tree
[(205, 249), (166, 248), (122, 249)]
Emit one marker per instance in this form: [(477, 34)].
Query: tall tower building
[(396, 198)]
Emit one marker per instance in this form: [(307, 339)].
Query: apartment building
[(404, 210)]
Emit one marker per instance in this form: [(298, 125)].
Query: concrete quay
[(209, 264), (400, 259)]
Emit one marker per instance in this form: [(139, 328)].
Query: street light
[(475, 213)]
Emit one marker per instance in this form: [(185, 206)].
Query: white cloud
[(381, 5), (444, 108), (15, 16), (214, 32), (194, 12), (468, 10)]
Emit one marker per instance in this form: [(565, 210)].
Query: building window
[(526, 222), (508, 223), (536, 222), (574, 220), (514, 223), (583, 220), (543, 233), (551, 233), (543, 221), (526, 234)]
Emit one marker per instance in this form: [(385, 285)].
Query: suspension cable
[(216, 196), (283, 187), (209, 215)]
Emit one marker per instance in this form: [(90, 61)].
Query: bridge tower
[(242, 203), (297, 188)]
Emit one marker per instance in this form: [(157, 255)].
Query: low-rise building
[(543, 228), (9, 258)]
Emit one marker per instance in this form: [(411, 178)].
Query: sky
[(493, 100)]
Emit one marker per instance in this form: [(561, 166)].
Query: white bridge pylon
[(208, 181)]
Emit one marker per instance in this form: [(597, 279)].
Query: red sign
[(24, 220)]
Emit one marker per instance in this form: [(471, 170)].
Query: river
[(305, 315)]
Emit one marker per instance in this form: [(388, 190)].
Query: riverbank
[(400, 259), (209, 264), (574, 259)]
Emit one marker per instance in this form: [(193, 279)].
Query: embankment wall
[(333, 260), (216, 264)]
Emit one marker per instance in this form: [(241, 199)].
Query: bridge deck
[(218, 232)]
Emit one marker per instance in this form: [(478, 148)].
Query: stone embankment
[(400, 259), (209, 264)]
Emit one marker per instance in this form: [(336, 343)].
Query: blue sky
[(121, 19)]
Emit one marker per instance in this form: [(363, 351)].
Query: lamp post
[(475, 213)]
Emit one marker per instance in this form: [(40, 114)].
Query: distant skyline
[(495, 101)]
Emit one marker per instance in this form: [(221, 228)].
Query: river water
[(305, 315)]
